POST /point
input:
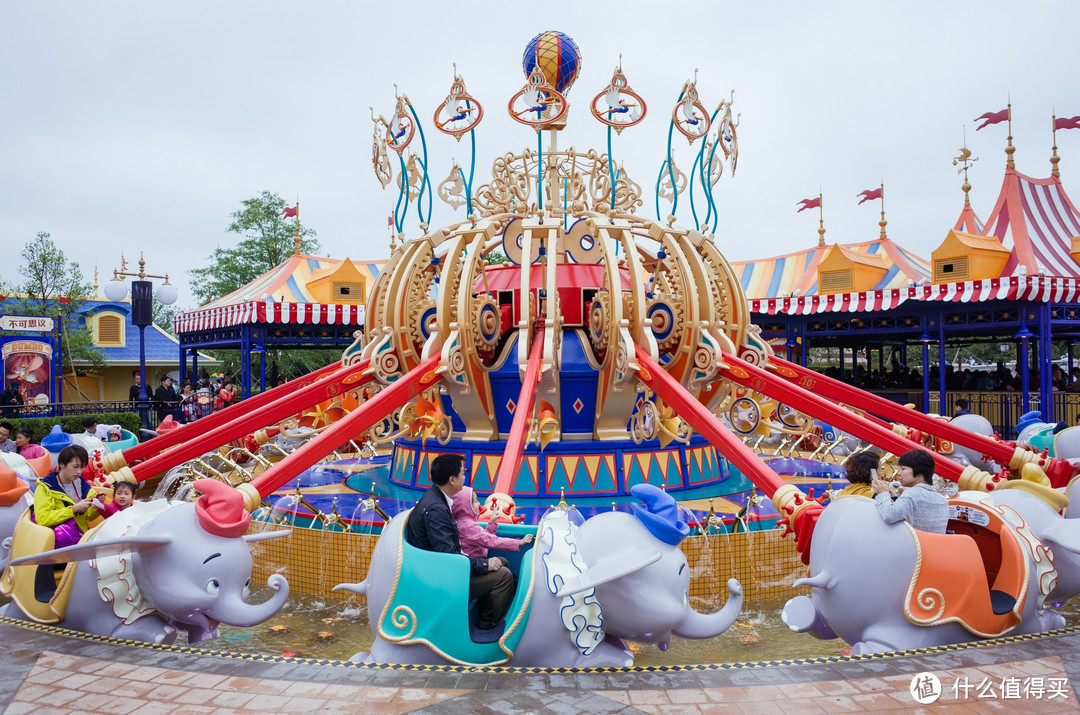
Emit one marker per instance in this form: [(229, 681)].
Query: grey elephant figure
[(147, 572), (885, 586), (14, 500), (1040, 507), (582, 591), (966, 455)]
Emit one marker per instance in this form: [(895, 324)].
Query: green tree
[(268, 240), (54, 286), (496, 258), (164, 315)]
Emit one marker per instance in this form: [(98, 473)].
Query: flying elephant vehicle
[(598, 374)]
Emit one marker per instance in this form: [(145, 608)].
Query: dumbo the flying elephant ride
[(582, 590), (145, 573)]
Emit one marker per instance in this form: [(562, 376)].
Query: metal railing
[(64, 409), (1002, 409)]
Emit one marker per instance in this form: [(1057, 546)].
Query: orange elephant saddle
[(978, 574)]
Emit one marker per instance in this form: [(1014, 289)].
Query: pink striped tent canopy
[(1037, 221), (280, 296)]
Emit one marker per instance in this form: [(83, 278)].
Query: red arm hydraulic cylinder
[(1058, 470), (244, 423), (510, 464), (363, 417)]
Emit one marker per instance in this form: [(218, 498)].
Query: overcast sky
[(142, 126)]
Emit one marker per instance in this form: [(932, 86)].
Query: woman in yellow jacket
[(62, 500), (861, 468)]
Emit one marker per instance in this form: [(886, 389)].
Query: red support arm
[(246, 422), (510, 464), (1058, 470), (779, 388), (800, 511), (216, 419), (363, 417)]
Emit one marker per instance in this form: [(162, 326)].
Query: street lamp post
[(142, 315)]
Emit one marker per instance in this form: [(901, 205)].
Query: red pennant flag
[(992, 118), (290, 212), (390, 221), (869, 195), (808, 204), (1067, 123)]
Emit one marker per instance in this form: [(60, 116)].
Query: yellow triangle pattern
[(592, 468), (570, 465)]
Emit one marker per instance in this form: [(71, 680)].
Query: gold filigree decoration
[(573, 180)]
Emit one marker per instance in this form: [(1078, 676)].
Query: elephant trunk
[(359, 588), (698, 625), (237, 612)]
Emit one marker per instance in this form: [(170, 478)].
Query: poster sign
[(33, 323), (29, 363)]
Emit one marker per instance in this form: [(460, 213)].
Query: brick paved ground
[(49, 673)]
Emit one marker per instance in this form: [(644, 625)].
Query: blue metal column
[(925, 376), (1046, 364), (943, 408), (262, 360), (183, 367), (245, 361), (1022, 359), (194, 367)]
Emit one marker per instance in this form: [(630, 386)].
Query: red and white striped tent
[(281, 296)]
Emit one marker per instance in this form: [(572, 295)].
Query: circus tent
[(304, 302)]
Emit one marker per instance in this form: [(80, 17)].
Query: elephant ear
[(93, 550), (609, 568)]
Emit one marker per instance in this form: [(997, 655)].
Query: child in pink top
[(475, 540), (123, 497)]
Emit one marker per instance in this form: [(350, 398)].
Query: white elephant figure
[(581, 591), (146, 572), (885, 586)]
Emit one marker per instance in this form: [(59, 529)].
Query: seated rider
[(123, 497), (432, 527), (62, 500), (475, 539), (861, 468), (919, 505)]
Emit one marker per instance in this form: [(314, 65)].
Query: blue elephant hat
[(660, 515), (56, 440), (1028, 419)]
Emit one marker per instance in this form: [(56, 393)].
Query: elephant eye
[(247, 587), (213, 587)]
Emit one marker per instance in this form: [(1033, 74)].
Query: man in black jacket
[(432, 527)]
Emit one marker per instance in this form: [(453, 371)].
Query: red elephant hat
[(11, 487), (221, 509)]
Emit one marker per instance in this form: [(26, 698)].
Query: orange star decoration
[(429, 416)]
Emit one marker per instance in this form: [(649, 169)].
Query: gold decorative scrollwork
[(931, 601), (403, 618)]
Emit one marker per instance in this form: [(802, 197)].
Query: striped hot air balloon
[(558, 57)]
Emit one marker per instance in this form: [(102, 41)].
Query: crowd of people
[(962, 379), (192, 401)]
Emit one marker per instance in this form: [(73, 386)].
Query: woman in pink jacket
[(476, 540)]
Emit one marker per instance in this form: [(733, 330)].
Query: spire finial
[(882, 222), (1054, 158), (95, 280), (1010, 149), (296, 238), (966, 159), (821, 220)]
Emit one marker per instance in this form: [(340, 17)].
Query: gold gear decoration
[(486, 327), (599, 320)]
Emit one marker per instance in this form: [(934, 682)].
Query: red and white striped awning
[(258, 311), (1039, 289)]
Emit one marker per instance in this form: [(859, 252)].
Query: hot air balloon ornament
[(380, 161), (400, 130), (689, 116), (617, 105), (459, 113), (538, 104)]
